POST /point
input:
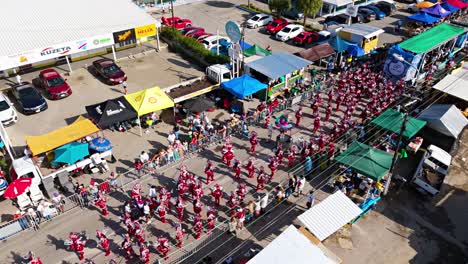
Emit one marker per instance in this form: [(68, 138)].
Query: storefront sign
[(125, 37), (145, 31), (94, 42)]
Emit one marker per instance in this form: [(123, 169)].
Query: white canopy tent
[(327, 217), (291, 246), (455, 84), (444, 118)]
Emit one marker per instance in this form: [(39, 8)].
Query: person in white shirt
[(144, 157), (146, 211), (152, 192), (300, 185), (264, 202), (171, 138)]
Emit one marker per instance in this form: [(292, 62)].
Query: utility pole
[(395, 155), (172, 13)]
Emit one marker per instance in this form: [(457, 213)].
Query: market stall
[(277, 70), (364, 36), (392, 120), (456, 83), (366, 160), (445, 118), (243, 86), (111, 112), (317, 53), (79, 129), (424, 18), (329, 216), (149, 100)]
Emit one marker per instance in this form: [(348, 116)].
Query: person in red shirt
[(211, 218), (103, 242), (260, 180), (138, 165), (316, 124), (101, 202), (180, 233), (253, 142), (327, 113), (197, 227), (298, 116), (241, 191), (291, 157), (209, 172), (217, 193), (237, 169), (250, 167), (273, 165), (180, 208), (163, 246)]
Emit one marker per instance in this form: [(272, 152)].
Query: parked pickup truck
[(431, 170)]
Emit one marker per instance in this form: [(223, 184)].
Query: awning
[(110, 112), (338, 44), (317, 52), (431, 38), (291, 246), (457, 3), (256, 50), (328, 216), (374, 163), (71, 152), (445, 118), (278, 65), (436, 10), (455, 84), (449, 7), (149, 100), (392, 120), (424, 18), (81, 128), (243, 86)]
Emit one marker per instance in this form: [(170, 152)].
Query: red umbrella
[(17, 187)]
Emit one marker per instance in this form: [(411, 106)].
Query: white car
[(211, 41), (8, 115), (289, 32), (412, 8), (259, 20)]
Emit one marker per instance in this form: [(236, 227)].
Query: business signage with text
[(125, 37), (145, 31)]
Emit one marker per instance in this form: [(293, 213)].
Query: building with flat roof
[(47, 32)]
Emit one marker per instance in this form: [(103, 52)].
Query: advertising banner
[(125, 37), (93, 43), (145, 31), (397, 69)]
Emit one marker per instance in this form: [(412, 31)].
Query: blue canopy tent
[(424, 18), (244, 45), (71, 153), (338, 44), (243, 86), (436, 10), (355, 50), (449, 7)]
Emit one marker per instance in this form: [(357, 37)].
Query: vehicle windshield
[(27, 92), (286, 30), (274, 24), (55, 82), (255, 18), (111, 69), (4, 106)]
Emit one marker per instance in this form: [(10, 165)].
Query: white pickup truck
[(431, 170)]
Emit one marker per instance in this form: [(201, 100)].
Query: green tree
[(279, 6), (308, 7)]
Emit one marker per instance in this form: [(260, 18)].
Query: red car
[(276, 25), (199, 36), (178, 23), (109, 71), (306, 38), (55, 86), (194, 31)]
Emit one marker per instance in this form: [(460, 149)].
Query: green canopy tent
[(392, 120), (371, 162), (256, 50)]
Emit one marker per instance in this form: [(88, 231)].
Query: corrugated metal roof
[(363, 30), (291, 246), (278, 64), (330, 215), (30, 24)]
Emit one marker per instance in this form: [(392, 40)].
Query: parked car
[(337, 19), (212, 41), (8, 115), (293, 13), (306, 38), (187, 30), (53, 83), (412, 8), (378, 13), (356, 19), (259, 20), (276, 25), (289, 32), (194, 31), (110, 71), (29, 99), (177, 22), (386, 7), (368, 14), (200, 36)]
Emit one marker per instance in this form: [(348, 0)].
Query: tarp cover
[(455, 84), (445, 118), (71, 152), (243, 86), (111, 111), (256, 50), (149, 100), (278, 64), (457, 3), (329, 216), (317, 52), (431, 38), (436, 10), (291, 246), (449, 7), (81, 128), (373, 163), (392, 120), (424, 18)]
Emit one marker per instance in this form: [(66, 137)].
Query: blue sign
[(233, 31)]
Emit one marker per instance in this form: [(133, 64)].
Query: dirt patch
[(188, 89)]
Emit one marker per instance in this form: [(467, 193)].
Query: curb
[(246, 10)]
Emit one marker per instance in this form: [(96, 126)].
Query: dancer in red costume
[(241, 191), (237, 169), (163, 246), (101, 202), (103, 242), (197, 227), (217, 193), (260, 180), (180, 233), (292, 156), (253, 142), (161, 209), (127, 246), (211, 218), (316, 124), (298, 116), (209, 172), (144, 253), (273, 165), (33, 259), (250, 167), (232, 203), (279, 155), (180, 208)]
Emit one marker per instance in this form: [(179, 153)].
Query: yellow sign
[(145, 31)]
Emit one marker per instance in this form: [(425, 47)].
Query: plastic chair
[(36, 194), (23, 201)]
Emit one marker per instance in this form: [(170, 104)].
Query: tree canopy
[(279, 6), (308, 7)]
